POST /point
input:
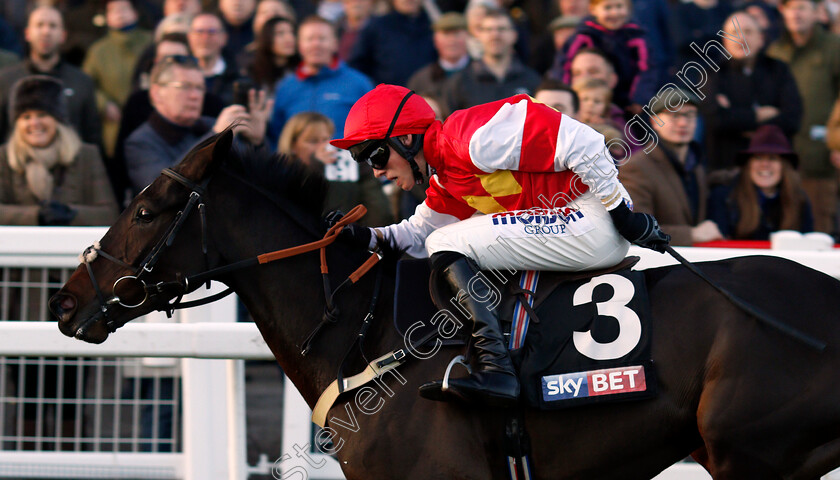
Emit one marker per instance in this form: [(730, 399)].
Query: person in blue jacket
[(321, 83)]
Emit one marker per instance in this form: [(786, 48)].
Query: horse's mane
[(280, 175)]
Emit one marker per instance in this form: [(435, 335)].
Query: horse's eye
[(144, 215)]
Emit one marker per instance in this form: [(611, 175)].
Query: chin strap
[(409, 152)]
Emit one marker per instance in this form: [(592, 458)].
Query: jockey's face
[(398, 170)]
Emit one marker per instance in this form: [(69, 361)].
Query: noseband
[(137, 291)]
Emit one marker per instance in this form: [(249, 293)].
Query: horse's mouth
[(89, 329), (84, 324)]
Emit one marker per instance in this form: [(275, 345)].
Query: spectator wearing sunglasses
[(176, 125), (509, 159)]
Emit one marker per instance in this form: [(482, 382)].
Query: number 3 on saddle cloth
[(590, 340)]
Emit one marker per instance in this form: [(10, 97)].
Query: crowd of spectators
[(737, 101)]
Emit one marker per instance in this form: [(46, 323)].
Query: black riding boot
[(495, 382)]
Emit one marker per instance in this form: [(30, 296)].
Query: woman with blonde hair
[(766, 195), (305, 137), (47, 175)]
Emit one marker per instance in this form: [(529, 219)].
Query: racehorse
[(749, 402)]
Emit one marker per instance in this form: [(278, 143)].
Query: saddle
[(548, 370)]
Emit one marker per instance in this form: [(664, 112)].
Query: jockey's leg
[(580, 237), (495, 381)]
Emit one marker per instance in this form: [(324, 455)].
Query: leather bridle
[(135, 282)]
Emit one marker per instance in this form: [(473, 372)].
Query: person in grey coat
[(47, 175), (176, 125)]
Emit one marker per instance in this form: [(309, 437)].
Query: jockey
[(547, 187)]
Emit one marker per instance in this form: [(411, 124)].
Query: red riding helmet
[(372, 114)]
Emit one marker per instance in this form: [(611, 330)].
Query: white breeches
[(577, 237)]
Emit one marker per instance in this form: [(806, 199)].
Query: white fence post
[(211, 399)]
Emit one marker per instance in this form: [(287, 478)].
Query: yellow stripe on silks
[(484, 204), (609, 201), (500, 183)]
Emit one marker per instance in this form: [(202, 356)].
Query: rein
[(187, 284)]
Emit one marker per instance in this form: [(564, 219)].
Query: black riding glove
[(332, 218), (55, 213), (639, 228), (351, 234)]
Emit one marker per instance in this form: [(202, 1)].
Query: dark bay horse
[(749, 402)]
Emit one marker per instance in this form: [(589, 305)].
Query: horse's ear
[(221, 149), (206, 157)]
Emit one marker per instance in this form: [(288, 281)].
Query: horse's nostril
[(61, 305), (67, 303)]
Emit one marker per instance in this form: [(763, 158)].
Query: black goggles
[(376, 152), (373, 152)]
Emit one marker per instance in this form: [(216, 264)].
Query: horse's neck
[(286, 298), (286, 301)]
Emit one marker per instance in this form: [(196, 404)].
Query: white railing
[(213, 403), (212, 420)]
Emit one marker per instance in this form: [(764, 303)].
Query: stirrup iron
[(459, 360)]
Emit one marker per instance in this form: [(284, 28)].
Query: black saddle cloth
[(549, 359)]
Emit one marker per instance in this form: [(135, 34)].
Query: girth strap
[(376, 368)]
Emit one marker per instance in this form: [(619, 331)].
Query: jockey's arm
[(582, 150), (410, 234)]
